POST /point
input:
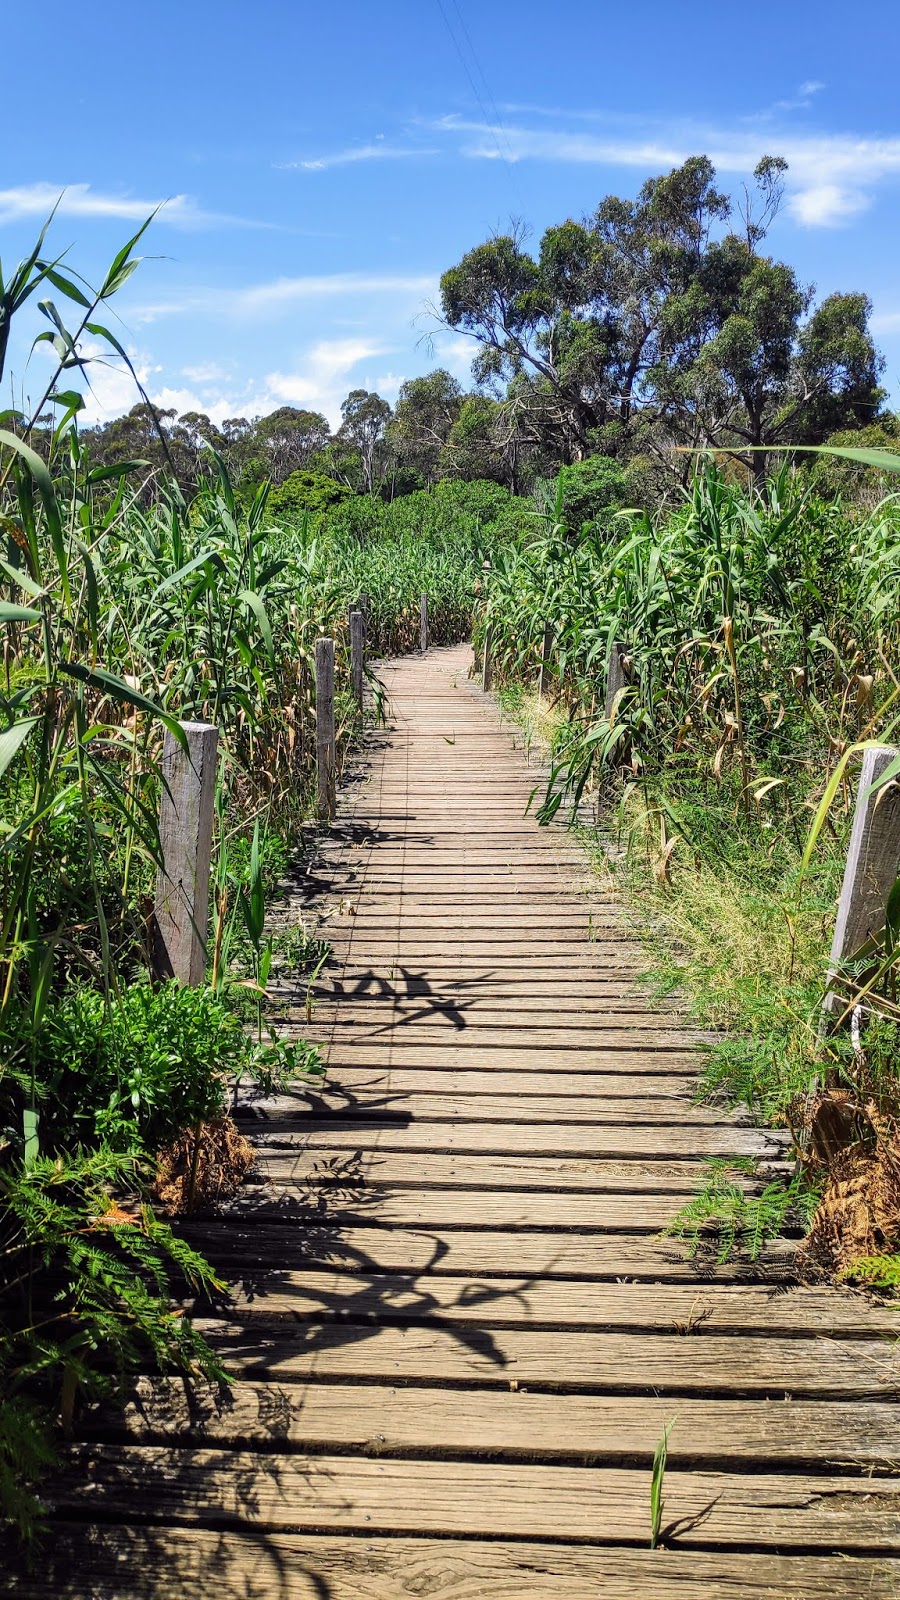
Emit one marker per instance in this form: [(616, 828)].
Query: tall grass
[(760, 630)]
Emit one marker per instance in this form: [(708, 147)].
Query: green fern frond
[(876, 1272), (723, 1212)]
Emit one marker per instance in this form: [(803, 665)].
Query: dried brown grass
[(203, 1167)]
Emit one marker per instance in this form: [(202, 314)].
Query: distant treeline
[(655, 323)]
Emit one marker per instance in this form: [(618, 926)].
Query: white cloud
[(827, 205), (112, 389), (812, 86), (324, 377), (320, 382), (830, 176), (80, 200), (262, 299), (355, 153), (206, 372), (455, 353)]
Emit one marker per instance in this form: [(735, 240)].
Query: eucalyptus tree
[(654, 321)]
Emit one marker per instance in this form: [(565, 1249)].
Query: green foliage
[(722, 1212), (131, 1070), (657, 1483), (589, 488), (652, 323), (306, 493), (874, 1272), (85, 1299)]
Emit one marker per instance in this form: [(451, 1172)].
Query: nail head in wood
[(185, 836)]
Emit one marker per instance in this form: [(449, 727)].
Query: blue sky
[(323, 164)]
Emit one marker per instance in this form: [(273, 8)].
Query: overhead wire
[(493, 123)]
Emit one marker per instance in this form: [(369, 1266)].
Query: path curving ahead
[(458, 1336)]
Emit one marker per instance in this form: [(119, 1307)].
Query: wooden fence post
[(873, 863), (545, 661), (357, 654), (325, 729), (615, 677), (486, 664), (185, 835), (423, 623)]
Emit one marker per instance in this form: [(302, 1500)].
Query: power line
[(492, 123)]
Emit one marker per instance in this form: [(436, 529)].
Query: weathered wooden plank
[(816, 1367), (92, 1562), (607, 1032), (424, 1081), (211, 1487), (257, 1246), (275, 1187), (548, 1139), (465, 1014), (381, 1420), (318, 1106), (703, 1309), (392, 1168)]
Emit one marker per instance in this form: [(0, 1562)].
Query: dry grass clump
[(203, 1167), (858, 1216)]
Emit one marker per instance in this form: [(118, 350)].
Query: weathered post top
[(615, 677), (358, 654), (325, 752), (185, 837), (873, 864), (543, 675), (487, 670)]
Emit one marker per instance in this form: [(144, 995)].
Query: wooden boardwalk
[(458, 1336)]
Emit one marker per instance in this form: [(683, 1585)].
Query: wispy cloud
[(81, 200), (273, 297), (831, 176), (377, 151)]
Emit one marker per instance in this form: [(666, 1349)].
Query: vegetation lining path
[(458, 1337)]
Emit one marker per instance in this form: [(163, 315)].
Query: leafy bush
[(306, 492), (132, 1070)]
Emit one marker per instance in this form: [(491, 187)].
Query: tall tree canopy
[(650, 319)]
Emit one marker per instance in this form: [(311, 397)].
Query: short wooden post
[(615, 677), (181, 912), (363, 604), (357, 654), (423, 623), (873, 864), (486, 663), (325, 729), (544, 673)]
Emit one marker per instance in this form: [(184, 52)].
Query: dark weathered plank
[(656, 1363), (381, 1420), (698, 1308), (210, 1487), (258, 1247), (545, 1138)]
